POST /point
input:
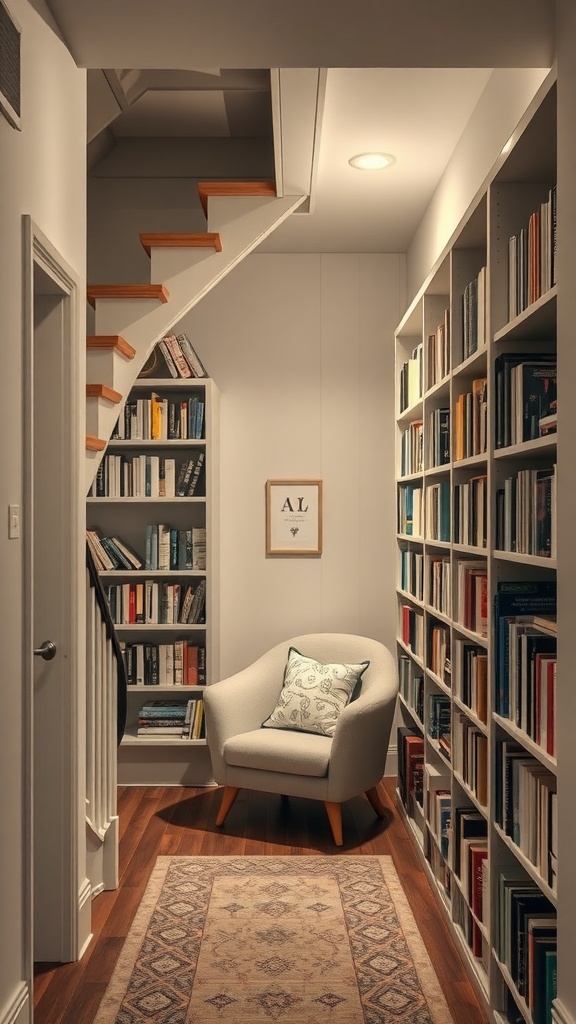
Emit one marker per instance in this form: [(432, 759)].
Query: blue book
[(513, 599)]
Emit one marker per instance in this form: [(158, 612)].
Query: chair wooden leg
[(334, 812), (228, 797), (374, 798)]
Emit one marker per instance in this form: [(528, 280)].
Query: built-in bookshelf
[(476, 593), (152, 521)]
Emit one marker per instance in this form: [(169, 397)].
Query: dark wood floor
[(156, 821)]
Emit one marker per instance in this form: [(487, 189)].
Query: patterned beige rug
[(299, 940)]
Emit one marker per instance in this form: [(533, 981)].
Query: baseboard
[(19, 1010), (391, 761), (560, 1014)]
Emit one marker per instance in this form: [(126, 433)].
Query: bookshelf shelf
[(480, 342), (174, 536)]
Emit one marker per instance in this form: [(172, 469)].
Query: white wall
[(42, 174), (498, 111), (301, 347)]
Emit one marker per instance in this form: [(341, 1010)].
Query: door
[(59, 899)]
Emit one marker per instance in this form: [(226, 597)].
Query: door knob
[(47, 650)]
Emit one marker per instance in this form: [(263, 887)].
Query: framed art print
[(293, 517)]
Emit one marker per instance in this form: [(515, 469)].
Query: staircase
[(130, 319)]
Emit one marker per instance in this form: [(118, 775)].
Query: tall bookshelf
[(475, 470), (155, 759)]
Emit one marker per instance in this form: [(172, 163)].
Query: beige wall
[(42, 174), (507, 95), (301, 347)]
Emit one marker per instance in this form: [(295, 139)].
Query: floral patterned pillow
[(313, 695)]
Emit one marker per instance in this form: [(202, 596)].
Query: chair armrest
[(361, 737), (243, 701)]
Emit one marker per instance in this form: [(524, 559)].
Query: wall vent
[(9, 66)]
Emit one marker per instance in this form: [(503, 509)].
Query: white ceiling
[(416, 113)]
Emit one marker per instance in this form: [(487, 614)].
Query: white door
[(54, 581)]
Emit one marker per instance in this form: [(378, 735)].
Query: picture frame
[(293, 517)]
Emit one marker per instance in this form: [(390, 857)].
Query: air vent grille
[(9, 66)]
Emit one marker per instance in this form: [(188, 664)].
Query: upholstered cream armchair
[(250, 751)]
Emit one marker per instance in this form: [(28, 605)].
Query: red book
[(132, 603), (191, 677)]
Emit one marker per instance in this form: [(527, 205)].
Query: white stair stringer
[(243, 222)]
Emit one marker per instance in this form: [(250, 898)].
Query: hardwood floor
[(164, 821)]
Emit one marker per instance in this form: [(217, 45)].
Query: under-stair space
[(131, 318)]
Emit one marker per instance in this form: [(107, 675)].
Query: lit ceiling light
[(371, 161)]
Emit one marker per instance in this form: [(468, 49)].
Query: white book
[(199, 547), (163, 547), (154, 476), (170, 478)]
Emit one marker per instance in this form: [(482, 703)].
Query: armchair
[(295, 763)]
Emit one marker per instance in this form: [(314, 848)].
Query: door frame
[(75, 888)]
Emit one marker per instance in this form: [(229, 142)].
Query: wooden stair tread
[(204, 240), (234, 188), (103, 391), (111, 341), (126, 291), (94, 444)]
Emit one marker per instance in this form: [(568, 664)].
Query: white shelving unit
[(166, 760), (519, 183)]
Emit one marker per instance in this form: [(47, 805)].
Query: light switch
[(13, 521)]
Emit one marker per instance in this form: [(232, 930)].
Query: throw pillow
[(313, 694)]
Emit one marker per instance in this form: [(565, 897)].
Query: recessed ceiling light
[(371, 161)]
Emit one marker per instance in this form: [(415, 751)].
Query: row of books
[(410, 748), (437, 512), (471, 677), (438, 807), (111, 553), (526, 513), (169, 548), (438, 352), (411, 379), (411, 452), (411, 685), (181, 663), (474, 324), (471, 421), (470, 513), (180, 357), (526, 939), (472, 595), (526, 680), (532, 257), (156, 603), (439, 714), (412, 629), (439, 589), (526, 804), (146, 476), (410, 510), (438, 653), (470, 755), (525, 396), (160, 419), (438, 438), (164, 718), (412, 572)]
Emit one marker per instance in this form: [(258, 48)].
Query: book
[(180, 362), (191, 356), (172, 368)]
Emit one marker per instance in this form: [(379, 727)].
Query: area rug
[(299, 940)]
